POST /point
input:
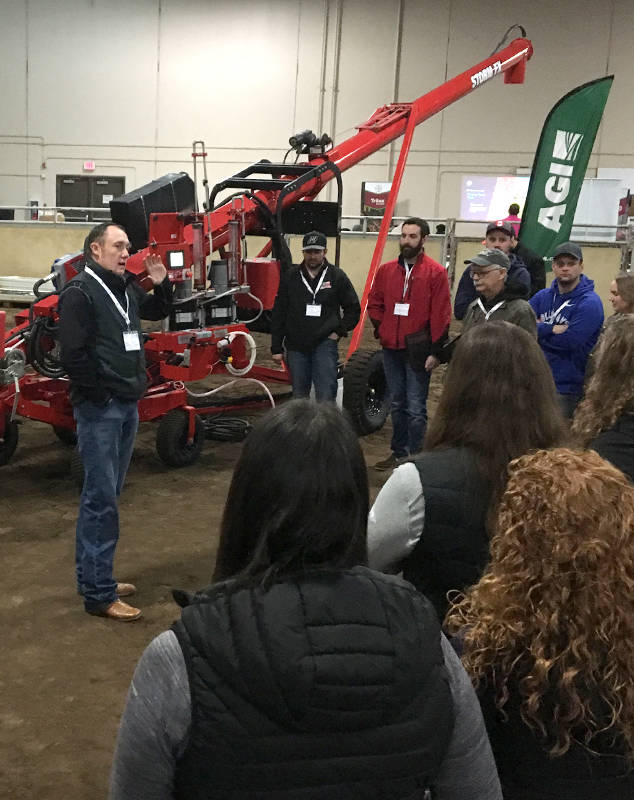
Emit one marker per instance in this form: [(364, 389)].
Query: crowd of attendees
[(469, 636)]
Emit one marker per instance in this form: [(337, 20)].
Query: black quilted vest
[(121, 372), (328, 685), (454, 548)]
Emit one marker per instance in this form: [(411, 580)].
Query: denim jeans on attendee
[(317, 368), (408, 392), (105, 439)]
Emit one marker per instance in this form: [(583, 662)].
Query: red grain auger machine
[(219, 301)]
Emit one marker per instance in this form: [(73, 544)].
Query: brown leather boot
[(118, 610)]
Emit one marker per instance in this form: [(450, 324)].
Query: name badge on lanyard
[(314, 309), (402, 309), (131, 340)]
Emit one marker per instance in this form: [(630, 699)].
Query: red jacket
[(427, 295)]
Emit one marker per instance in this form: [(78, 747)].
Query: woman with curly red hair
[(548, 632)]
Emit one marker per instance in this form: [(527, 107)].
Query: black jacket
[(330, 684), (91, 334), (527, 772), (616, 445), (290, 327), (454, 547), (535, 266)]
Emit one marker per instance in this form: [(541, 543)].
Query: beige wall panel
[(142, 80), (228, 73), (601, 264), (92, 71), (13, 47), (29, 250)]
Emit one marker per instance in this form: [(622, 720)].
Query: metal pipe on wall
[(335, 79), (397, 79)]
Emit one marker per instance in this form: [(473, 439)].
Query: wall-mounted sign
[(374, 198), (90, 166)]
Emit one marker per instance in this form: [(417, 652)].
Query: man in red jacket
[(410, 308)]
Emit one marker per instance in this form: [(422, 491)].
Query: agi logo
[(485, 74), (557, 186)]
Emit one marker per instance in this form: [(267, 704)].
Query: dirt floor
[(65, 674)]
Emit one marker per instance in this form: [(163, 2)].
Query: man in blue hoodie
[(569, 319)]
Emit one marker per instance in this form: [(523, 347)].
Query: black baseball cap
[(569, 249), (491, 257), (500, 225), (314, 241)]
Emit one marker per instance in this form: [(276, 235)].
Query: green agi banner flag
[(560, 166)]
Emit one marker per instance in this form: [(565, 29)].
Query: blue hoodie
[(567, 353)]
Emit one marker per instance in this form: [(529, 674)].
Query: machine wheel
[(171, 439), (365, 395), (9, 441), (76, 469), (66, 435)]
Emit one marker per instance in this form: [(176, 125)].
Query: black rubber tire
[(365, 395), (66, 435), (76, 469), (8, 442), (171, 439)]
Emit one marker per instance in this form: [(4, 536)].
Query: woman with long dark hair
[(604, 420), (300, 672), (430, 518), (548, 632)]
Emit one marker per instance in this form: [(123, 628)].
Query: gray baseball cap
[(569, 249), (490, 257)]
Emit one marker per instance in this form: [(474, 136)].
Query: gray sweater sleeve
[(155, 724), (468, 771)]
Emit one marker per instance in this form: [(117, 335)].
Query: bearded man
[(410, 308)]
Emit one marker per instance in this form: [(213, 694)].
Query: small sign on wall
[(90, 166)]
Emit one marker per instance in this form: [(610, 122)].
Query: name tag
[(131, 340), (313, 309), (401, 309)]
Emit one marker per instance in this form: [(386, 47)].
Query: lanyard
[(307, 285), (408, 272), (125, 314), (486, 313)]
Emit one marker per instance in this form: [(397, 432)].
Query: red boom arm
[(384, 126)]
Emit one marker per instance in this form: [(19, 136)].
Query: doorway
[(88, 191)]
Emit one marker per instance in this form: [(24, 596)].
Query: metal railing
[(52, 214)]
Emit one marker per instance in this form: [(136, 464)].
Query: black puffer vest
[(454, 547), (121, 372), (328, 685)]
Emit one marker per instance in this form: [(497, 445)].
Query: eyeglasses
[(474, 272)]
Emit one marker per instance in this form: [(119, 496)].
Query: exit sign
[(90, 166)]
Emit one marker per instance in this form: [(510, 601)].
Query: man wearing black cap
[(569, 319), (500, 236), (315, 306), (496, 300)]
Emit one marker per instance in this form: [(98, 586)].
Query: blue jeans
[(408, 392), (319, 368), (105, 439)]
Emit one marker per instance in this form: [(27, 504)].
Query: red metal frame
[(177, 357)]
